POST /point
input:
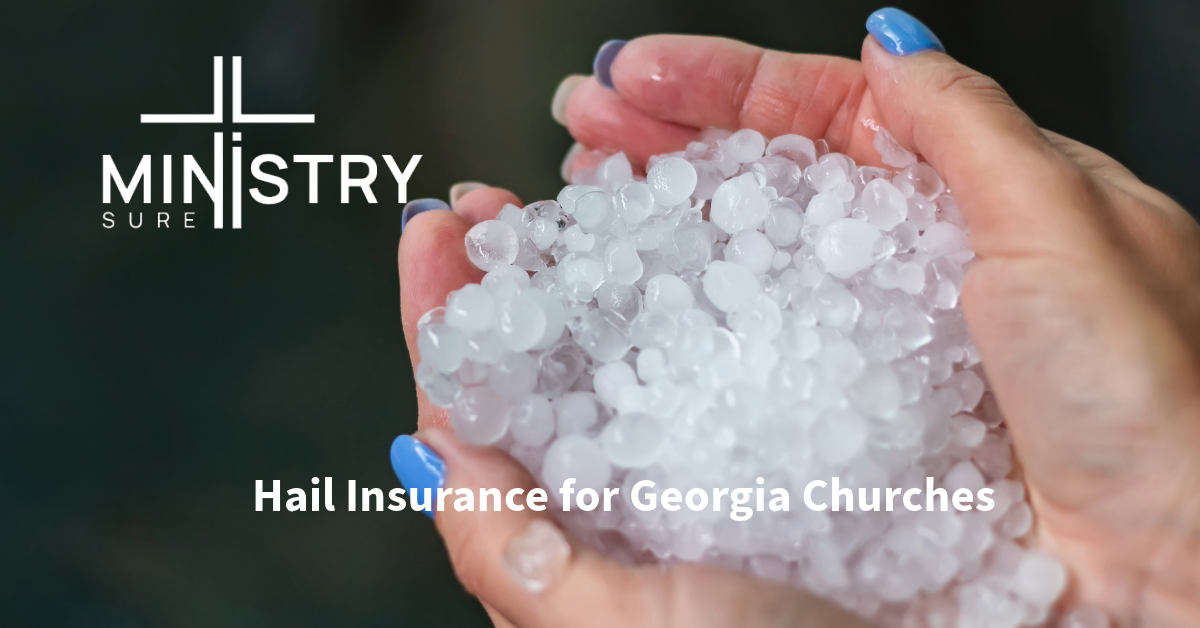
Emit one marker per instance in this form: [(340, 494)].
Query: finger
[(972, 133), (483, 203), (586, 589), (432, 263), (707, 81), (598, 118), (498, 620)]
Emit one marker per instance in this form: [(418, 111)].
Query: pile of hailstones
[(750, 310)]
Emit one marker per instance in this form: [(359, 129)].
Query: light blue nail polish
[(602, 66), (421, 471), (420, 205), (902, 34)]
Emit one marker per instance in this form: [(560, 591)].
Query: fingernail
[(459, 190), (569, 161), (602, 66), (558, 106), (418, 206), (537, 557), (418, 468), (900, 33)]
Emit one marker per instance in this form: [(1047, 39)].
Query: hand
[(1083, 304)]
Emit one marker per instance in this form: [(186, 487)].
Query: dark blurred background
[(148, 377)]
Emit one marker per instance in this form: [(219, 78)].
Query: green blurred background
[(148, 377)]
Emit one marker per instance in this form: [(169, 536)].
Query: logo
[(214, 185)]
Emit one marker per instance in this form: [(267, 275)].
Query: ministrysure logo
[(214, 186)]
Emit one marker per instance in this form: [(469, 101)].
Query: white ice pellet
[(470, 309), (824, 209), (739, 203), (845, 246), (635, 201), (480, 416), (884, 205), (622, 264), (751, 249), (892, 153), (745, 146), (668, 294), (672, 181), (1040, 578), (580, 457), (729, 286), (750, 309), (795, 147), (491, 244)]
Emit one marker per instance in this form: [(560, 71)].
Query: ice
[(839, 436), (824, 209), (941, 239), (924, 180), (570, 194), (622, 264), (491, 244), (967, 431), (845, 246), (611, 378), (440, 388), (652, 329), (470, 309), (442, 346), (750, 309), (581, 268), (739, 203), (614, 172), (778, 173), (532, 421), (632, 441), (1040, 578), (604, 335), (537, 557), (884, 205), (635, 201), (520, 323), (579, 457), (594, 212), (672, 181), (575, 240), (745, 146), (891, 152), (825, 175), (751, 249), (783, 222), (729, 286), (668, 294), (480, 416), (514, 375), (795, 147)]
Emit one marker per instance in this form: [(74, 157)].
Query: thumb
[(1019, 194)]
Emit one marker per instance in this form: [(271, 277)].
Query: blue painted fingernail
[(421, 471), (416, 207), (602, 66), (902, 34)]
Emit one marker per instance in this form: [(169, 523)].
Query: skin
[(1084, 304)]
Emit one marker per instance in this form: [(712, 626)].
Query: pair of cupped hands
[(1084, 304)]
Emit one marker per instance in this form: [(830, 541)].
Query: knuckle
[(467, 556), (959, 81)]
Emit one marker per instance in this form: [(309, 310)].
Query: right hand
[(1084, 304)]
